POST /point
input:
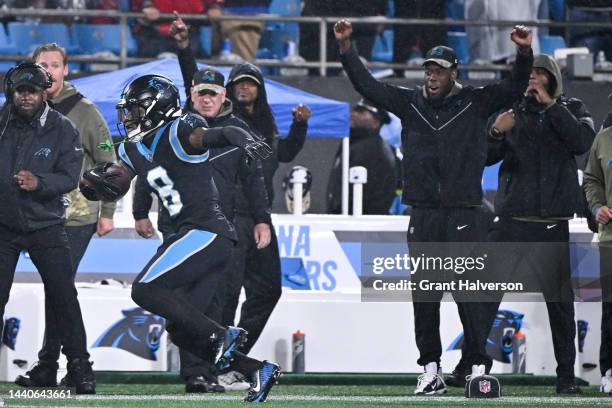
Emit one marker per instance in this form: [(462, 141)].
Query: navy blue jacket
[(48, 145)]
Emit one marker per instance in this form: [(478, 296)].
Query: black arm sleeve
[(142, 199), (189, 67), (290, 146), (225, 136), (389, 97), (505, 93)]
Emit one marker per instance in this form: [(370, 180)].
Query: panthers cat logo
[(499, 343), (138, 333)]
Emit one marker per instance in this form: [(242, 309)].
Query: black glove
[(255, 149), (258, 150), (103, 184)]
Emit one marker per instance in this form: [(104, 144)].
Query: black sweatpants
[(260, 273), (429, 226), (548, 256), (605, 272), (49, 251), (78, 240)]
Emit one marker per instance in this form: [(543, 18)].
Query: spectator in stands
[(153, 36), (367, 149), (42, 158), (363, 38), (598, 189), (537, 141), (116, 5), (409, 40), (244, 35), (596, 39), (83, 218), (489, 43)]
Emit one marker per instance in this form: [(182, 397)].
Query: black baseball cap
[(210, 79), (31, 75), (381, 114), (442, 56)]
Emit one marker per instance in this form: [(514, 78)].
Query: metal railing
[(322, 64)]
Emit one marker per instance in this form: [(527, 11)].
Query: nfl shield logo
[(484, 386)]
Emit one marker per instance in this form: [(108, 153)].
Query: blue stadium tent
[(329, 118)]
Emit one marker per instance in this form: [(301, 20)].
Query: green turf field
[(293, 392)]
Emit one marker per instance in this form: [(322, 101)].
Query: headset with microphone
[(29, 72)]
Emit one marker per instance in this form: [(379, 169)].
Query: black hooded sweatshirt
[(262, 122)]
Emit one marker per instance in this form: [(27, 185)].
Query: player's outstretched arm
[(203, 139)]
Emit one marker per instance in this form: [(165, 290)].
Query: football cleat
[(262, 381), (430, 382), (234, 337)]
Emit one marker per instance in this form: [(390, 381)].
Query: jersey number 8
[(171, 199)]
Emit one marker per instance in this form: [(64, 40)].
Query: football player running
[(170, 150)]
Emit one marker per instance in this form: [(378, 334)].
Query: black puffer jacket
[(538, 176), (48, 145)]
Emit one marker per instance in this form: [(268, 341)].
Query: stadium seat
[(31, 35), (458, 41), (93, 38), (6, 45), (455, 10), (285, 7), (206, 40), (276, 36), (277, 33), (549, 43), (382, 50), (557, 9)]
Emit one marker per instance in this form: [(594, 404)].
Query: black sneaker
[(43, 374), (457, 377), (80, 376), (199, 384), (568, 386)]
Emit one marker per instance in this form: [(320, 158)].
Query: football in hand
[(120, 176), (106, 182)]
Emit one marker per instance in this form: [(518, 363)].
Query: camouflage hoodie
[(92, 130)]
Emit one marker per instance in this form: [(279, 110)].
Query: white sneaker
[(606, 382), (233, 381), (430, 382), (477, 371)]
